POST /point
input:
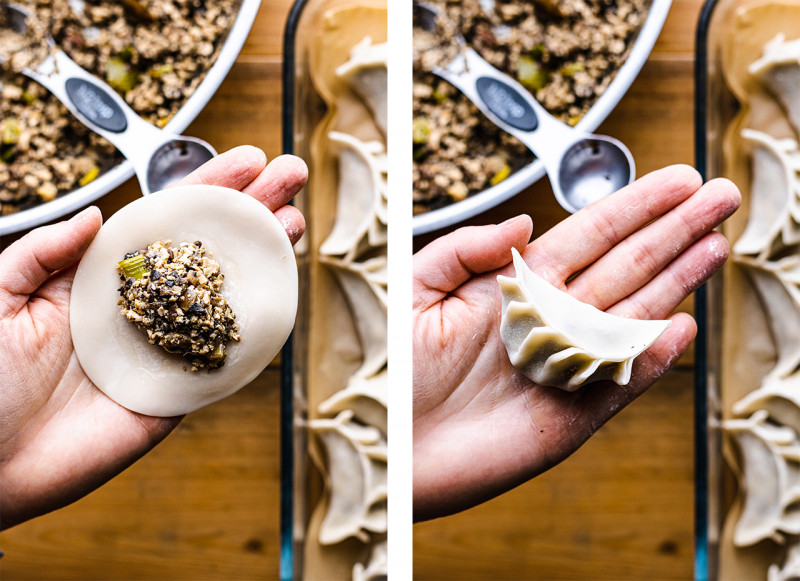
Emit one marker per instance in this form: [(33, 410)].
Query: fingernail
[(83, 213), (514, 220)]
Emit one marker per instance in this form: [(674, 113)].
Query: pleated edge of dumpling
[(776, 52), (363, 55)]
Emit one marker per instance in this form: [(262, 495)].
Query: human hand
[(480, 426), (60, 436)]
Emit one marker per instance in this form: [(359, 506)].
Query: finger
[(28, 263), (587, 235), (279, 182), (678, 280), (635, 261), (292, 221), (450, 261), (664, 353), (234, 169)]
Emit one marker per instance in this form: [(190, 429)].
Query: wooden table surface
[(204, 504), (621, 508)]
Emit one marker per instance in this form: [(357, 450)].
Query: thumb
[(447, 263), (29, 262)]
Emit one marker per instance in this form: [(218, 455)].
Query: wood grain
[(203, 505)]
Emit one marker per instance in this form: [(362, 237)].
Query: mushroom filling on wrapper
[(172, 294)]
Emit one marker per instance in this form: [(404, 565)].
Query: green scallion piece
[(133, 266), (10, 131), (158, 71), (421, 130), (120, 74), (501, 175), (531, 73), (569, 69)]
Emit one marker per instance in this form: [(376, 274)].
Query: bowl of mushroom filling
[(166, 58), (576, 57)]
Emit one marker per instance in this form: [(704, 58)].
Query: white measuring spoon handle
[(510, 106), (101, 109)]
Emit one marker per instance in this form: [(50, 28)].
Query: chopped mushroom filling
[(172, 294)]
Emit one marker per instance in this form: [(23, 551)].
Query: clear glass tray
[(324, 351), (728, 356)]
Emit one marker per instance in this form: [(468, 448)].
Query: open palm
[(61, 437), (480, 426)]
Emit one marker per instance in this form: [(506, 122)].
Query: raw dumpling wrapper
[(254, 254), (556, 340)]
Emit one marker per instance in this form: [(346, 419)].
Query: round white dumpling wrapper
[(254, 254)]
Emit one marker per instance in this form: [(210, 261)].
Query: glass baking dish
[(326, 348), (298, 96), (735, 345)]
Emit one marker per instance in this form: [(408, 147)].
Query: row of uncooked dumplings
[(765, 424), (352, 423)]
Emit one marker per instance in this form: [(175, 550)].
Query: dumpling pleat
[(579, 378)]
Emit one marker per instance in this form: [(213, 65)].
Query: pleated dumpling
[(773, 222), (777, 285), (770, 456), (779, 70), (791, 565), (361, 204), (366, 74), (357, 476), (556, 340)]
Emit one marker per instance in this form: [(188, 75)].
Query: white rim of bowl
[(115, 176), (529, 174)]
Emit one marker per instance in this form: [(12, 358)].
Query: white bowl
[(530, 173), (112, 178)]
